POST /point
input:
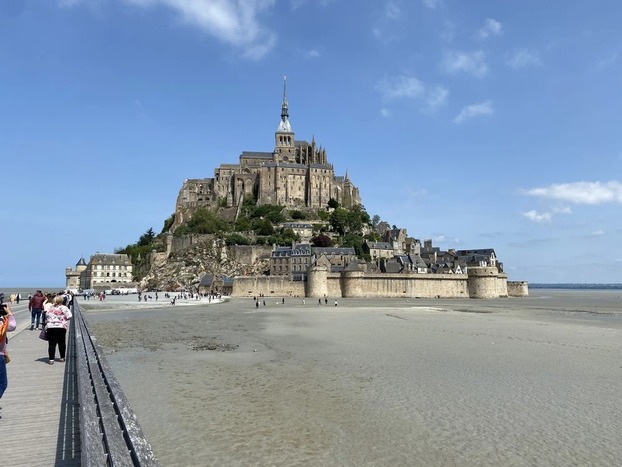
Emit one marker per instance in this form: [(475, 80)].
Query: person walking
[(57, 321), (35, 305), (7, 324)]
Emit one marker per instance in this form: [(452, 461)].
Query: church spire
[(284, 126), (284, 112), (284, 145)]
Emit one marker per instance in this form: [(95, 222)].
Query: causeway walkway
[(40, 420)]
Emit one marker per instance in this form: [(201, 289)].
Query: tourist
[(49, 301), (7, 325), (57, 321), (35, 305)]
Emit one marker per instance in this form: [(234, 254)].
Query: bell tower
[(284, 148)]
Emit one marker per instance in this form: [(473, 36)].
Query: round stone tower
[(482, 282), (353, 284), (317, 281)]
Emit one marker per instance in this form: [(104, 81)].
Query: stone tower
[(284, 147)]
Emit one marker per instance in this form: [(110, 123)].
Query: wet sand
[(534, 381)]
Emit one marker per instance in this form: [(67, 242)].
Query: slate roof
[(334, 251), (256, 155), (483, 251), (110, 258), (380, 245)]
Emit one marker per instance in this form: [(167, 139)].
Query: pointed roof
[(284, 125)]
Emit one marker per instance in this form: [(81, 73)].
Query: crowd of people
[(50, 313)]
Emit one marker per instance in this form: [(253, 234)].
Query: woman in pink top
[(6, 316), (56, 323)]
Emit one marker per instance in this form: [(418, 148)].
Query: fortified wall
[(480, 282)]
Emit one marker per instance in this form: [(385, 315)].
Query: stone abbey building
[(296, 174), (103, 271)]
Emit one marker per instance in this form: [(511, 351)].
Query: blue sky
[(477, 124)]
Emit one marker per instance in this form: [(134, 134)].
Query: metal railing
[(109, 430)]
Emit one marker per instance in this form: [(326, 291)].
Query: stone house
[(292, 261), (479, 257), (303, 230), (337, 257), (378, 250)]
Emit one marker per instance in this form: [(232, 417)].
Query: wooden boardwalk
[(39, 425)]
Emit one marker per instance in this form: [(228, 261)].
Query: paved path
[(39, 425)]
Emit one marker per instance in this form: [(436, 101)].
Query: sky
[(477, 124)]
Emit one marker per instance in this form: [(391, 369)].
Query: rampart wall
[(268, 286), (481, 282), (518, 289)]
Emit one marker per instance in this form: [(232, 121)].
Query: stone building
[(292, 261), (302, 229), (296, 174), (102, 271)]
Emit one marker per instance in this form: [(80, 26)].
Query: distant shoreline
[(571, 286)]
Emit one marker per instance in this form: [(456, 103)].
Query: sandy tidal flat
[(533, 381)]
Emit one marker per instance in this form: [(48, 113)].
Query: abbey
[(296, 174)]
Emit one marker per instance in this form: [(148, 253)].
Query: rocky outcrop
[(184, 268)]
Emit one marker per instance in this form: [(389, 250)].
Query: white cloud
[(474, 110), (409, 87), (598, 233), (436, 96), (235, 22), (491, 28), (534, 216), (401, 86), (386, 113), (392, 10), (581, 192), (474, 62), (431, 3), (562, 210), (312, 53), (522, 58)]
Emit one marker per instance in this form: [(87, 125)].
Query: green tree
[(204, 221), (339, 220), (236, 239), (262, 227), (332, 203), (168, 223), (354, 241), (289, 236), (322, 214), (321, 240), (147, 238)]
